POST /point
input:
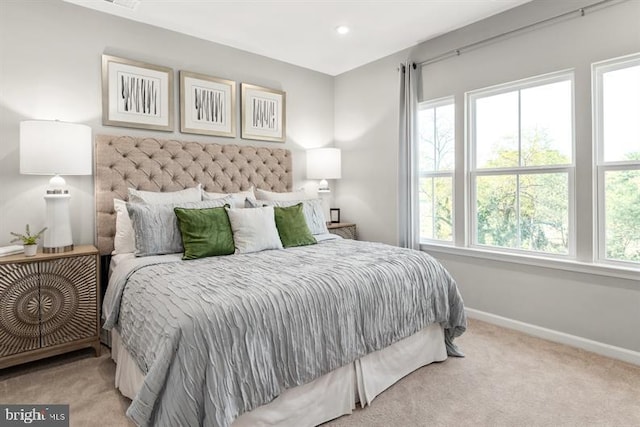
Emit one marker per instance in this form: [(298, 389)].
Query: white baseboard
[(614, 352)]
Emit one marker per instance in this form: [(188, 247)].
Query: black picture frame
[(334, 215)]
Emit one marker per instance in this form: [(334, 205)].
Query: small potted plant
[(29, 241)]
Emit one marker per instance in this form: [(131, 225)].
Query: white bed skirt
[(328, 397)]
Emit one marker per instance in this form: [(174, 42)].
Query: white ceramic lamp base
[(57, 237), (323, 187)]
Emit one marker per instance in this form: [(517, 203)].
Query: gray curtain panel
[(408, 180)]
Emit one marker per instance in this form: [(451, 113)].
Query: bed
[(288, 337)]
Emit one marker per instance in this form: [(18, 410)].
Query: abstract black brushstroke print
[(209, 105), (139, 95), (265, 115)]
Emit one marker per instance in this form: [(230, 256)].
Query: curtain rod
[(456, 52)]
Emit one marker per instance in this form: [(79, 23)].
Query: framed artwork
[(207, 105), (136, 94), (263, 113), (335, 215)]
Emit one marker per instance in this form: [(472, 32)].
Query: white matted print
[(136, 94), (207, 105), (263, 113)]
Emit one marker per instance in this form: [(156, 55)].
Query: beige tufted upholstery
[(167, 165)]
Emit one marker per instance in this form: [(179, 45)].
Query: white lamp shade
[(54, 148), (324, 163)]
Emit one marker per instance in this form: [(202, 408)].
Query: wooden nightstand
[(346, 230), (48, 304)]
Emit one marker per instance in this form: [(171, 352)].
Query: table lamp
[(324, 164), (55, 148)]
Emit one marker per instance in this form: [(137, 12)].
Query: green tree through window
[(521, 171), (622, 213), (436, 162), (527, 210)]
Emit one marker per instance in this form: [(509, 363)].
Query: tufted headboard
[(168, 165)]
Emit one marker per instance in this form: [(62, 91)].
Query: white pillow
[(159, 198), (124, 241), (254, 230), (270, 195), (239, 198)]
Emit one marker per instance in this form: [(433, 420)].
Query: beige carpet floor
[(507, 379)]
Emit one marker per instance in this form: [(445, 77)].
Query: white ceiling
[(302, 32)]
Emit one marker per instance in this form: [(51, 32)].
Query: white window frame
[(424, 105), (473, 171), (602, 166)]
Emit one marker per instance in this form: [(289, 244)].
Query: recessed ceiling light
[(342, 29)]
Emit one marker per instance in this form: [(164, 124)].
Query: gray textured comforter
[(217, 337)]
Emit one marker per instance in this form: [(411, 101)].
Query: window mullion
[(435, 138), (519, 128), (443, 174), (518, 221), (528, 170), (518, 216), (627, 166), (433, 208)]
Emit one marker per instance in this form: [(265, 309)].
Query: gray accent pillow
[(313, 211), (156, 226)]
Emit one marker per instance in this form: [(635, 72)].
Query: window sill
[(537, 261)]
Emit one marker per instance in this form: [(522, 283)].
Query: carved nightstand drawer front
[(19, 308), (68, 300)]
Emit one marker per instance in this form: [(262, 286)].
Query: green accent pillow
[(292, 226), (205, 232)]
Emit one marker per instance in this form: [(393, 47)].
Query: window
[(436, 162), (521, 167), (616, 110)]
